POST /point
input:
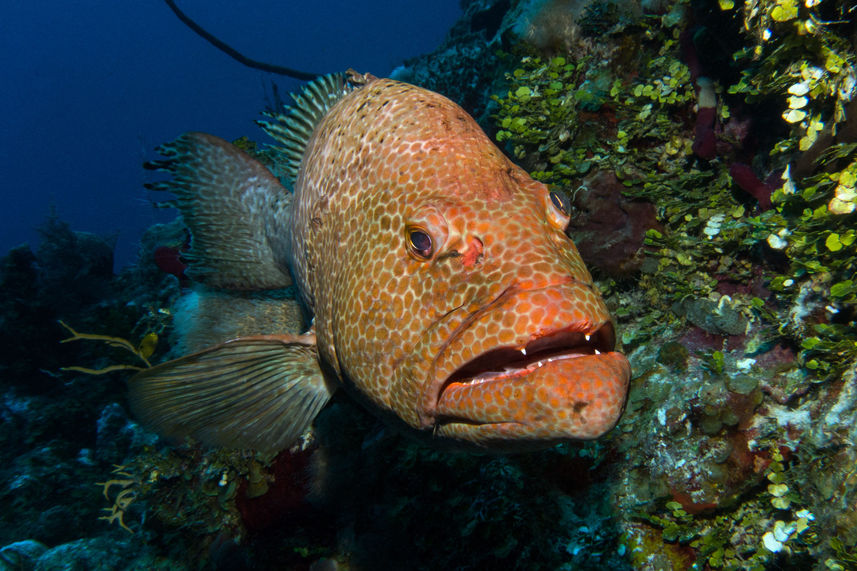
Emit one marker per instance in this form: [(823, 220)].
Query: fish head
[(445, 290)]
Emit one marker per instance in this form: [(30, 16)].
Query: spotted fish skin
[(445, 293), (390, 158)]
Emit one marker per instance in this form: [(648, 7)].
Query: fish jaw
[(533, 367), (565, 397)]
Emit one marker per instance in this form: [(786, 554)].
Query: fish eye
[(559, 209), (561, 202), (420, 243)]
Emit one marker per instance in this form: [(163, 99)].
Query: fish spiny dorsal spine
[(293, 126)]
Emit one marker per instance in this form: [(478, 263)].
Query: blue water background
[(89, 88)]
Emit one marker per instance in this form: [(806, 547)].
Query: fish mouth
[(567, 384), (504, 362)]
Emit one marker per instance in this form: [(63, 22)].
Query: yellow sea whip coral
[(143, 351)]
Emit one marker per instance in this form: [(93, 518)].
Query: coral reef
[(709, 152), (61, 430), (730, 122)]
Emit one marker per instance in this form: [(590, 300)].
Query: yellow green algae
[(740, 323)]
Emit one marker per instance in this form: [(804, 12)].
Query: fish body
[(444, 292)]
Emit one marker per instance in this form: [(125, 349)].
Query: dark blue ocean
[(90, 88)]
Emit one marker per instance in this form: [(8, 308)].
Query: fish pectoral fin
[(260, 392)]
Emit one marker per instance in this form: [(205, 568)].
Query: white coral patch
[(776, 242), (799, 89), (770, 543)]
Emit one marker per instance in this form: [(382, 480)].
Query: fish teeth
[(587, 337), (597, 352), (524, 351)]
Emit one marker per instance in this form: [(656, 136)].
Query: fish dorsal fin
[(292, 126), (236, 210), (260, 392)]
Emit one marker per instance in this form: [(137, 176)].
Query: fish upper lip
[(505, 361)]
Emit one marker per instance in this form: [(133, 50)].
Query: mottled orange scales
[(444, 291)]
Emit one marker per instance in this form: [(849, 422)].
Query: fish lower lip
[(567, 396)]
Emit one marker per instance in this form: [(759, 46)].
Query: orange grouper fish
[(444, 292)]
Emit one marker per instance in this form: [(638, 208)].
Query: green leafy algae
[(712, 234), (779, 276)]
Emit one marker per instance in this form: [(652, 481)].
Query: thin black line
[(235, 54)]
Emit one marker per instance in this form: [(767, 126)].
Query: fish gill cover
[(706, 151)]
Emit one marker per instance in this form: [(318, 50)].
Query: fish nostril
[(471, 254)]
